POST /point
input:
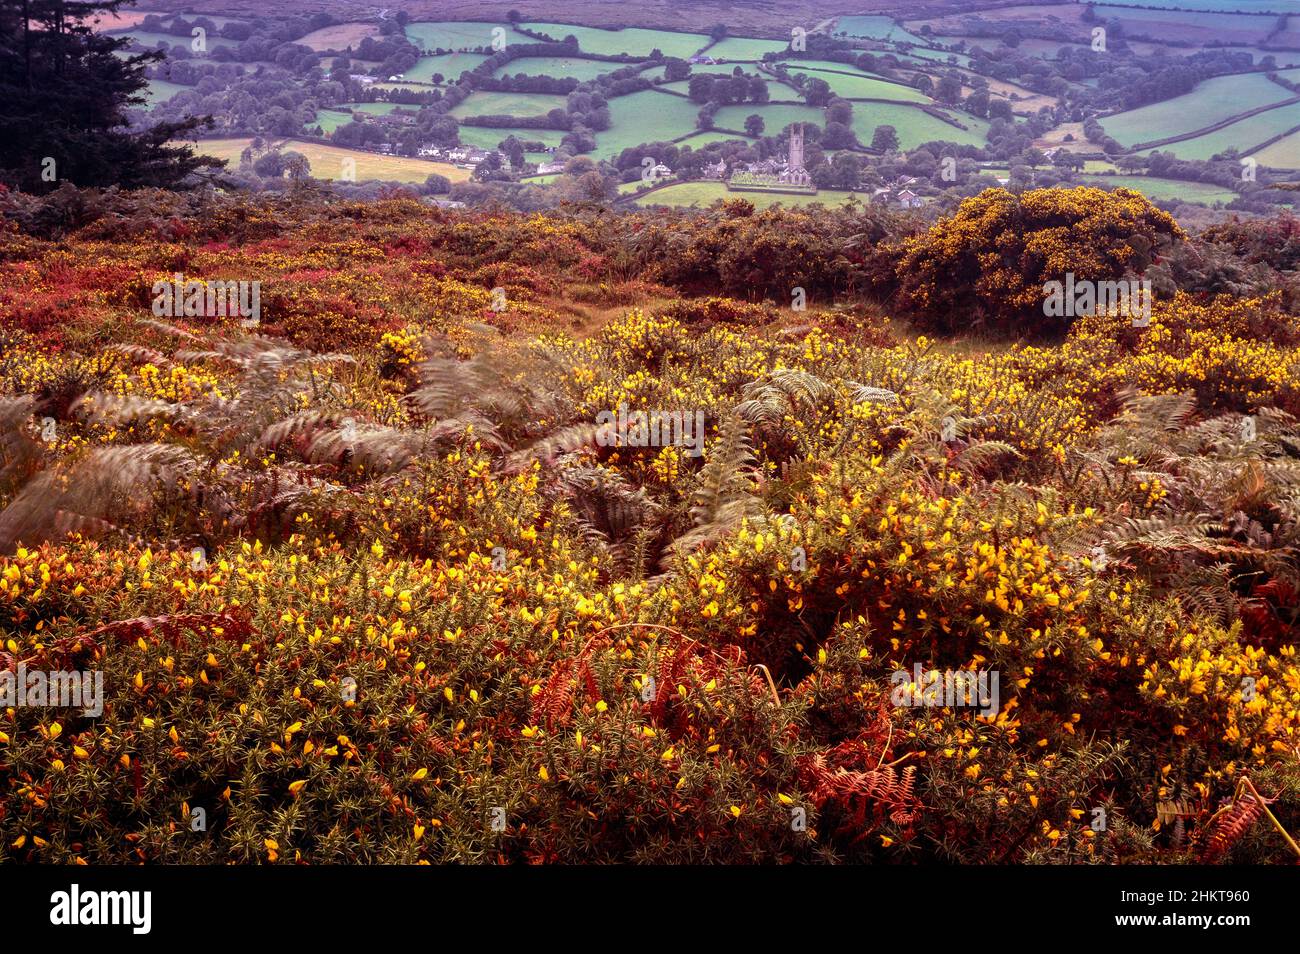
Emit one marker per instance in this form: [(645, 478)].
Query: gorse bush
[(372, 581), (991, 259)]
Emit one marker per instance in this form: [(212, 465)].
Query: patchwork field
[(327, 161), (340, 36), (484, 137), (330, 120), (146, 38), (561, 67), (1210, 102), (456, 35), (775, 116), (633, 41), (507, 104), (648, 116), (450, 65), (744, 48), (703, 194), (703, 138), (1164, 190), (1192, 27), (941, 56), (1283, 154), (867, 87), (877, 28), (1243, 135), (160, 91), (915, 126)]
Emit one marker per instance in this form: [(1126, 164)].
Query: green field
[(1172, 26), (866, 87), (1163, 190), (450, 65), (940, 56), (775, 116), (704, 194), (327, 161), (1283, 154), (484, 137), (634, 42), (159, 91), (803, 66), (330, 119), (744, 48), (915, 126), (701, 139), (507, 104), (875, 27), (145, 38), (413, 87), (340, 36), (561, 67), (458, 35), (648, 116), (1210, 102), (1242, 135)]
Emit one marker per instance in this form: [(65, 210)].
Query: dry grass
[(340, 36), (327, 161)]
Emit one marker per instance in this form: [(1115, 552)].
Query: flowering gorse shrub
[(365, 584)]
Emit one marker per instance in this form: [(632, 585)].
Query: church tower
[(795, 173)]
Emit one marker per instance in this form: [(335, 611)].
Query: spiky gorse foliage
[(992, 257), (568, 650)]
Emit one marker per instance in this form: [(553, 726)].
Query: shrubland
[(368, 583)]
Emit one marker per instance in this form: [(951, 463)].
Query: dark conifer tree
[(64, 93)]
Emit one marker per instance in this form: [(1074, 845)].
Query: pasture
[(159, 91), (458, 35), (484, 103), (1243, 135), (630, 40), (648, 116), (876, 28), (1283, 154), (339, 37), (1162, 190), (449, 65), (485, 137), (865, 87), (915, 126), (1210, 102), (561, 67), (704, 194), (327, 161), (776, 116), (744, 49)]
